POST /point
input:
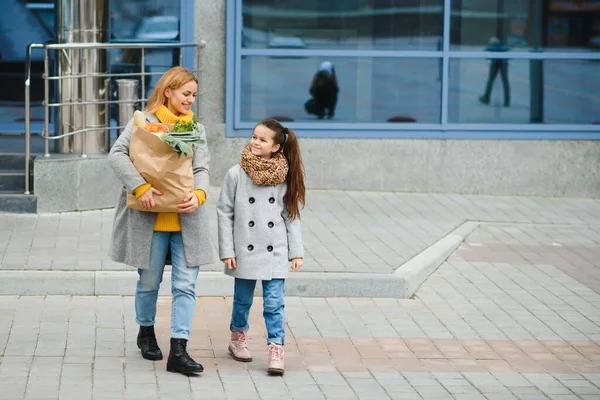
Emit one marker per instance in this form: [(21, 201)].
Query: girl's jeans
[(273, 307), (183, 285)]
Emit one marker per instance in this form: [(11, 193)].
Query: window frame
[(235, 127)]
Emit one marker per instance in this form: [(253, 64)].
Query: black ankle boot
[(180, 361), (146, 341)]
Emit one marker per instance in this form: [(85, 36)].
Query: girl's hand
[(147, 199), (230, 263), (189, 205), (297, 263)]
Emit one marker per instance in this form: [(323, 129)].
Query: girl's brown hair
[(288, 144), (173, 79)]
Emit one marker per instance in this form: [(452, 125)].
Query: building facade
[(413, 113), (465, 96)]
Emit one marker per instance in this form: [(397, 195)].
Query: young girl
[(259, 232), (142, 238)]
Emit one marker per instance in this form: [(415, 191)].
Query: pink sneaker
[(238, 347), (275, 359)]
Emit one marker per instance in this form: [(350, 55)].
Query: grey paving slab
[(344, 231)]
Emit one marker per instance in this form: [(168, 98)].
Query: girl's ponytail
[(288, 142), (296, 190)]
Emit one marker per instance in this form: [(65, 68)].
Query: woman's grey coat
[(254, 227), (132, 229)]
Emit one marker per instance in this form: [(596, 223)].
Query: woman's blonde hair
[(173, 79)]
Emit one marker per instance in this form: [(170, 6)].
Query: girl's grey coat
[(132, 229), (254, 227)]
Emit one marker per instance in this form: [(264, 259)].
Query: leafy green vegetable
[(181, 126), (183, 136)]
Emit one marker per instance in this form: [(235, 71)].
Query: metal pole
[(536, 69), (198, 49), (46, 132), (445, 103), (107, 111), (27, 120), (127, 90), (84, 22), (84, 135), (143, 78)]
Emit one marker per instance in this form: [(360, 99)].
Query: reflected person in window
[(324, 91), (497, 65)]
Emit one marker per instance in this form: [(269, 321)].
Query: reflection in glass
[(343, 24), (550, 91), (144, 21), (22, 23), (370, 89), (557, 25)]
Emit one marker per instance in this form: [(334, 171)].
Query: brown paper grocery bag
[(161, 167)]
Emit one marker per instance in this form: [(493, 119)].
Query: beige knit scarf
[(264, 172)]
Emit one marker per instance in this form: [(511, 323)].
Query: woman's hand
[(189, 205), (147, 199), (230, 263), (297, 263)]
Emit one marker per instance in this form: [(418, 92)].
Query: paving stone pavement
[(344, 231), (498, 320), (513, 313)]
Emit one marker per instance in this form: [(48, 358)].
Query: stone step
[(14, 161), (15, 143), (11, 180), (209, 283), (17, 202)]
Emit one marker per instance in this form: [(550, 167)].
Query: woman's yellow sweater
[(166, 221)]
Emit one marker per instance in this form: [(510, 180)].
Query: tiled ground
[(344, 231), (514, 313), (501, 319), (572, 249)]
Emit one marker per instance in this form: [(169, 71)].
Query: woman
[(143, 238)]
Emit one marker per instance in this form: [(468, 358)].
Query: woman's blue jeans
[(273, 307), (183, 285)]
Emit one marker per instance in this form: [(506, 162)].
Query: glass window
[(149, 20), (524, 91), (370, 89), (555, 25), (144, 21), (22, 23), (343, 24), (383, 75)]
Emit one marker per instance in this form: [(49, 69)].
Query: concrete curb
[(402, 283), (416, 270)]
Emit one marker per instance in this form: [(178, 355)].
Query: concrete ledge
[(122, 283), (416, 270), (18, 203), (403, 283), (67, 182), (40, 283), (320, 284)]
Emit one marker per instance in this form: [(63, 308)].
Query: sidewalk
[(476, 330), (513, 311), (352, 237)]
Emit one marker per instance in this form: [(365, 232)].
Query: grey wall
[(527, 167)]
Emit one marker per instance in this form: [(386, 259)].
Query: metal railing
[(47, 78)]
